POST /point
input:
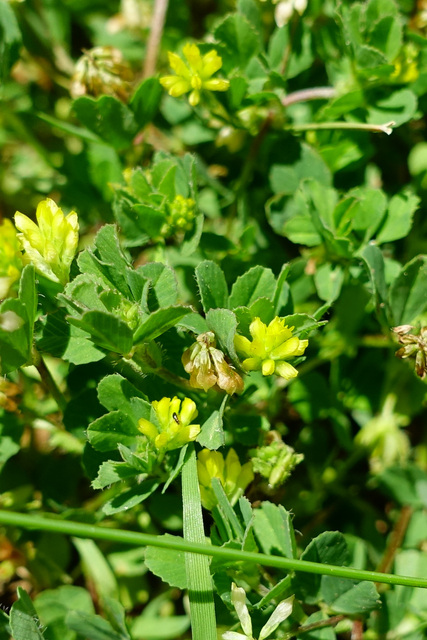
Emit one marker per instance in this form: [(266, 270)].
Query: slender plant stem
[(357, 630), (330, 622), (199, 581), (50, 384), (305, 95), (153, 44), (79, 529), (396, 539), (349, 126)]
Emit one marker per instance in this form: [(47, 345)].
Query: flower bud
[(208, 367), (413, 345), (50, 246), (182, 212), (275, 462)]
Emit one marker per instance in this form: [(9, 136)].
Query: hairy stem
[(305, 95), (349, 126)]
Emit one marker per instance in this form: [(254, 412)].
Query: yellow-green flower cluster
[(174, 426), (50, 246), (233, 476), (195, 75), (10, 257), (182, 212), (270, 348)]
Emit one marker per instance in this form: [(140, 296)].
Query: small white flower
[(281, 613)]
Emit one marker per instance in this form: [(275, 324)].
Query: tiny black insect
[(175, 417)]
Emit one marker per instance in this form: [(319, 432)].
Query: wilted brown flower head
[(413, 345), (102, 70), (208, 367)]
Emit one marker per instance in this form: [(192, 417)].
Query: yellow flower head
[(270, 348), (173, 429), (50, 246), (195, 75), (233, 476), (10, 257)]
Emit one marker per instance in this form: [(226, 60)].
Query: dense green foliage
[(256, 196)]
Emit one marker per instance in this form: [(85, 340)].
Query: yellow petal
[(217, 84), (211, 62), (178, 65), (252, 364), (147, 428), (287, 349), (192, 53), (243, 345), (286, 370), (268, 367), (194, 98)]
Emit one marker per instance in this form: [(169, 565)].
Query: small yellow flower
[(50, 246), (195, 76), (271, 346), (233, 476), (10, 258), (173, 429)]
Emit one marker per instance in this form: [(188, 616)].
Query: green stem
[(199, 581), (50, 384), (352, 126), (233, 555)]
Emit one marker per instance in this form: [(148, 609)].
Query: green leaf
[(109, 118), (169, 565), (212, 285), (110, 472), (116, 393), (306, 163), (91, 627), (400, 107), (299, 45), (290, 216), (349, 597), (149, 219), (386, 36), (96, 568), (211, 434), (224, 324), (114, 428), (130, 498), (408, 293), (62, 340), (256, 283), (10, 40), (328, 281), (52, 605), (158, 322), (147, 628), (10, 435), (274, 530), (106, 330), (328, 548), (145, 101), (17, 324), (163, 286), (24, 622), (106, 260), (240, 39), (398, 223), (408, 485), (374, 261)]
